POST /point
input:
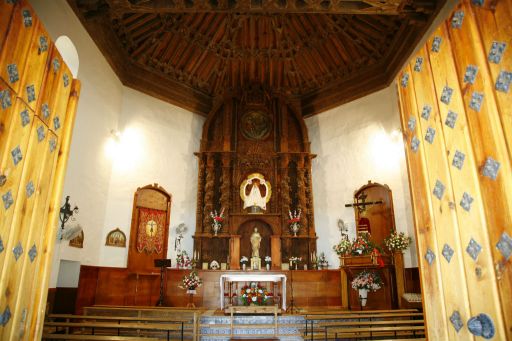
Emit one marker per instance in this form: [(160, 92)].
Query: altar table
[(254, 277)]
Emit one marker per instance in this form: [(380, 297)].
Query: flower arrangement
[(191, 281), (217, 220), (254, 294), (268, 259), (183, 260), (368, 280), (343, 247), (397, 241), (295, 260), (244, 260), (294, 221), (362, 245)]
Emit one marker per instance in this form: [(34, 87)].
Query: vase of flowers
[(254, 294), (366, 281), (322, 261), (362, 245), (191, 282), (244, 262), (343, 249), (294, 221), (268, 260), (294, 261), (183, 260), (397, 242), (217, 220)]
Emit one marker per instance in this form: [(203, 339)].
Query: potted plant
[(268, 260), (366, 281), (244, 262)]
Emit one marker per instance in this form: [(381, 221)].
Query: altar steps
[(218, 328)]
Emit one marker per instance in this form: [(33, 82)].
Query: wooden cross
[(361, 205)]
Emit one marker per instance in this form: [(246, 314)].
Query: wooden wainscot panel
[(14, 52), (87, 286)]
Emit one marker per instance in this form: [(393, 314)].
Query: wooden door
[(455, 110), (33, 156)]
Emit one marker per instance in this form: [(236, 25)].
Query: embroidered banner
[(150, 233)]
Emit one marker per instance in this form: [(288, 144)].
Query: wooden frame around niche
[(111, 239)]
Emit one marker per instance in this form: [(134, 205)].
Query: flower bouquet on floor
[(254, 294), (397, 242), (366, 281)]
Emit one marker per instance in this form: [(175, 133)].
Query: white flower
[(248, 291), (260, 291), (254, 298)]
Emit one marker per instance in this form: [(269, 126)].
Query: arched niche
[(246, 230), (69, 53)]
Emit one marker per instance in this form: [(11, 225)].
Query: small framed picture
[(223, 266), (205, 265), (285, 266)]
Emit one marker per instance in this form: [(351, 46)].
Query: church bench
[(47, 336), (362, 312), (102, 326), (365, 332), (317, 319), (330, 327), (119, 319)]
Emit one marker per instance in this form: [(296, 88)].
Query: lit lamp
[(65, 213)]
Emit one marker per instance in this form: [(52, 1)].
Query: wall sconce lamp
[(65, 213)]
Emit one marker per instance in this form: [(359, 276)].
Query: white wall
[(161, 140), (88, 174), (355, 143)]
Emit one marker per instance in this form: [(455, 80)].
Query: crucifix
[(360, 203)]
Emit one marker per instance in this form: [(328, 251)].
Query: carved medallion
[(255, 125)]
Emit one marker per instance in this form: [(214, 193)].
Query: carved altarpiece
[(254, 131)]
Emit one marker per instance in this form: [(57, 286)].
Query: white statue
[(255, 198)]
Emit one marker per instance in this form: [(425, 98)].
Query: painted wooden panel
[(43, 275), (36, 65), (431, 280), (17, 124), (465, 137), (23, 286), (26, 217), (6, 8), (14, 52), (474, 241), (55, 93)]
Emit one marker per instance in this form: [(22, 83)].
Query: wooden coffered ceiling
[(322, 53)]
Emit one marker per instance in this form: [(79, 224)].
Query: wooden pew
[(367, 319), (95, 326), (139, 311), (379, 331), (119, 319), (47, 336)]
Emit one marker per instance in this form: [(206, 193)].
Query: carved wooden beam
[(387, 7)]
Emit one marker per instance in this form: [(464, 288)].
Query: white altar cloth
[(253, 277)]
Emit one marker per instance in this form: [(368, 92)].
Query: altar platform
[(117, 286)]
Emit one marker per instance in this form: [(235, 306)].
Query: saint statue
[(255, 198), (255, 243)]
